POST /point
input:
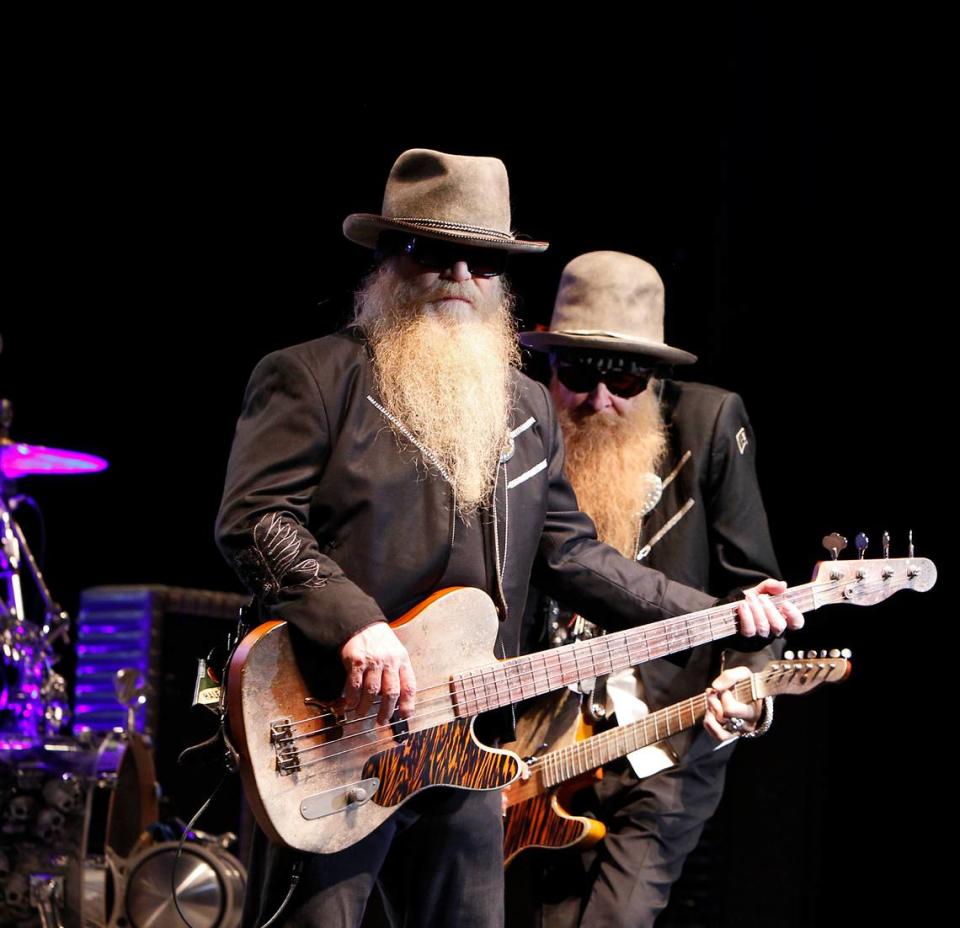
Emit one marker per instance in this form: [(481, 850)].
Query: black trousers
[(436, 862)]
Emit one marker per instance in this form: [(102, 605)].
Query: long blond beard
[(607, 458), (445, 376)]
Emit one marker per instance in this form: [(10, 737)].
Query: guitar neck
[(566, 763), (521, 678)]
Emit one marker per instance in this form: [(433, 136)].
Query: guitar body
[(535, 818), (542, 822), (319, 780)]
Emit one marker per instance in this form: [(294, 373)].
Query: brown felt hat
[(455, 198), (609, 301)]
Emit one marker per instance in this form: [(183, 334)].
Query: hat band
[(598, 333), (450, 226)]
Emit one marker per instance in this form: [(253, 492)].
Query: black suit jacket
[(333, 521), (722, 544)]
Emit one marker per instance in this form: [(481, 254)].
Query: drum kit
[(81, 841)]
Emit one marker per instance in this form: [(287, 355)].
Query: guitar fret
[(576, 662), (517, 685), (609, 665), (488, 675), (476, 697), (496, 683), (477, 682)]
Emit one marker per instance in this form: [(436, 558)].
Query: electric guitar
[(535, 814), (319, 779)]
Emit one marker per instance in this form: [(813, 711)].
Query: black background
[(784, 176)]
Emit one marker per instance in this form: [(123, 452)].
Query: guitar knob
[(356, 794), (834, 543), (846, 654), (788, 655), (862, 542), (834, 653)]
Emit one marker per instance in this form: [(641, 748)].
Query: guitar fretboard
[(522, 678)]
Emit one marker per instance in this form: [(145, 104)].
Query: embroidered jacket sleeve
[(277, 460), (589, 576)]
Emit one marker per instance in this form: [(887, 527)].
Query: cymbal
[(18, 459)]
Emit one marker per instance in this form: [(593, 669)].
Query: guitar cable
[(187, 829), (296, 872), (229, 756)]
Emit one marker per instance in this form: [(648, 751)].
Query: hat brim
[(364, 228), (666, 354)]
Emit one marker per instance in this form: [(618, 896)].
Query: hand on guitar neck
[(377, 664), (723, 705), (760, 616)]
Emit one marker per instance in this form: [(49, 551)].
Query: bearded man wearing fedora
[(397, 457), (666, 469)]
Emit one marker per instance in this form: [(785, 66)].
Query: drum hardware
[(34, 701), (208, 881), (76, 810), (46, 896), (132, 691)]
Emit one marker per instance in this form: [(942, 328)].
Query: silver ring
[(734, 725)]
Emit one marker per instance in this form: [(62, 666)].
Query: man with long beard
[(400, 456), (666, 471)]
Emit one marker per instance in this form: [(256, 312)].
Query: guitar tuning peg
[(846, 654), (788, 655), (824, 654), (834, 543), (862, 542), (886, 546), (910, 543), (834, 652)]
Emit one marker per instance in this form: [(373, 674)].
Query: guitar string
[(615, 651), (490, 695), (565, 662), (562, 662), (389, 741), (368, 746), (820, 668), (433, 712)]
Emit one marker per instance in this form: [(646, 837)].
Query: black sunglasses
[(436, 255), (581, 378)]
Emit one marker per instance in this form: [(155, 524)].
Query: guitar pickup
[(339, 799)]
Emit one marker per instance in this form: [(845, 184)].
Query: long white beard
[(607, 457), (445, 376)]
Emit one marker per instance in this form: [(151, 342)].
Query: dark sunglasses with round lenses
[(435, 255), (583, 378)]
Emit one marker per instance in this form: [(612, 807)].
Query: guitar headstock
[(865, 582), (803, 672)]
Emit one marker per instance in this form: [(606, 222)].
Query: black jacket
[(334, 522), (723, 543)]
